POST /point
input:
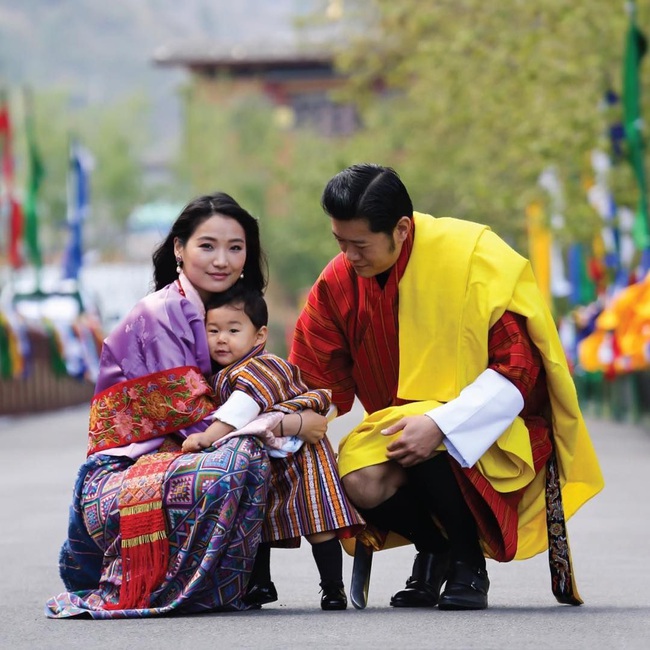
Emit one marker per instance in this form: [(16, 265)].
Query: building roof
[(243, 57)]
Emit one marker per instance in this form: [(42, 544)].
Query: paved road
[(610, 541)]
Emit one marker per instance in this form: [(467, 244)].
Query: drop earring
[(179, 265), (241, 276)]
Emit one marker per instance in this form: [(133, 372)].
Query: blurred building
[(299, 83)]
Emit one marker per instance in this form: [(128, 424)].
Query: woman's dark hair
[(192, 216), (251, 300), (369, 192)]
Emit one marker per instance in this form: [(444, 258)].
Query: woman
[(151, 529)]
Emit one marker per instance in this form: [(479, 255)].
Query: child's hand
[(193, 443), (200, 441)]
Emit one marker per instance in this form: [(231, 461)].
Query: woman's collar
[(191, 293)]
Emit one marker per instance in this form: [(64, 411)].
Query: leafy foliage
[(482, 97)]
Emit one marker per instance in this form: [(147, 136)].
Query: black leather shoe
[(261, 594), (333, 597), (467, 588), (423, 587)]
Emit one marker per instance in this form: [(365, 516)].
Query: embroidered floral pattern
[(148, 407), (559, 556)]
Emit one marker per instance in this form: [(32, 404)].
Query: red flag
[(15, 233), (6, 168), (13, 206)]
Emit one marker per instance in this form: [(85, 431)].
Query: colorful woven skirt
[(306, 497), (214, 504)]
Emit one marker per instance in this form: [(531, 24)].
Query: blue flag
[(81, 165)]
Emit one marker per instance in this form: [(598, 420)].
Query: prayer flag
[(8, 202), (36, 172), (81, 165), (635, 49), (583, 288), (539, 249), (550, 181)]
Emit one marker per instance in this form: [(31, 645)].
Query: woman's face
[(214, 256)]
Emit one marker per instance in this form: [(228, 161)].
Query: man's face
[(370, 253)]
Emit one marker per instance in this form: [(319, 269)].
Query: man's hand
[(420, 438)]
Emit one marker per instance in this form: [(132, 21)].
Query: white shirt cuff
[(474, 420), (238, 410)]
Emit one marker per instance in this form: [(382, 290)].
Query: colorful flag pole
[(539, 249), (36, 172), (81, 165), (8, 202), (583, 288), (635, 49), (549, 180)]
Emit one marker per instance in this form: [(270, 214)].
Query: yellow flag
[(539, 248)]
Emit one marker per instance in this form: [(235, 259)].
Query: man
[(438, 328)]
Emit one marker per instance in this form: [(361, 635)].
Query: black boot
[(261, 589), (466, 588), (467, 581), (423, 587)]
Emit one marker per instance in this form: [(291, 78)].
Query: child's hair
[(251, 300)]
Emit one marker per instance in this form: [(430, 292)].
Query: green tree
[(479, 98)]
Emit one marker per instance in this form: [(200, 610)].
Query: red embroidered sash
[(147, 407)]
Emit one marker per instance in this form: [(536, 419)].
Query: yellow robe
[(459, 281)]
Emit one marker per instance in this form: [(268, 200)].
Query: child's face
[(231, 334)]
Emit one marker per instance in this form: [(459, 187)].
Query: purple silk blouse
[(164, 330)]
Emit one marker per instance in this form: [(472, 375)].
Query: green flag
[(635, 49), (35, 176)]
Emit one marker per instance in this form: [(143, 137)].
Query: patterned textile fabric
[(306, 497), (272, 382), (214, 504)]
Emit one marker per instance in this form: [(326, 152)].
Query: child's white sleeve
[(238, 410)]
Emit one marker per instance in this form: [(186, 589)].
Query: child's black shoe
[(333, 597)]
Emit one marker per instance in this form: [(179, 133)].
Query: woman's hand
[(307, 425), (314, 426)]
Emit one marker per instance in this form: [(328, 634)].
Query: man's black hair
[(369, 192)]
